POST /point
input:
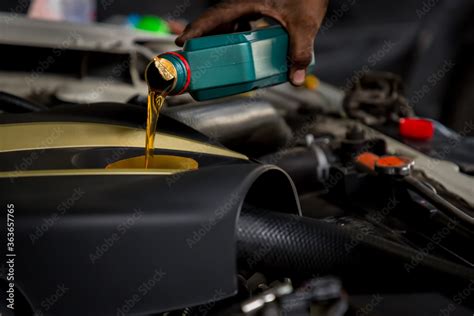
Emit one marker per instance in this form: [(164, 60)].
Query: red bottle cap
[(416, 128)]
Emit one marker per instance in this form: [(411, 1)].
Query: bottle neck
[(183, 72)]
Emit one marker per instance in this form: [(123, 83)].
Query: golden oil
[(155, 103), (159, 162), (156, 100)]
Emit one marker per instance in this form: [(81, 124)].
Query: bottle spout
[(160, 75)]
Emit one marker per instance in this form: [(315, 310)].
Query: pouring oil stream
[(161, 78)]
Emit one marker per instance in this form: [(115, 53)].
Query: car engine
[(280, 201)]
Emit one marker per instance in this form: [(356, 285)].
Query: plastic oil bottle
[(217, 66), (221, 65)]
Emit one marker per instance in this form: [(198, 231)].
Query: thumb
[(300, 54)]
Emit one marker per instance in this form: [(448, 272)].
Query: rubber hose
[(12, 104), (301, 163), (293, 243)]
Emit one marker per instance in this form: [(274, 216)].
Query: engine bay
[(280, 201)]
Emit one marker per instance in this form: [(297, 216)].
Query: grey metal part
[(69, 89), (325, 97), (275, 291), (396, 171), (19, 30), (237, 119), (64, 36), (323, 168)]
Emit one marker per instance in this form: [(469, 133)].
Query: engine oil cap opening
[(161, 162)]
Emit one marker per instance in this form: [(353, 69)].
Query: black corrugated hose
[(296, 245)]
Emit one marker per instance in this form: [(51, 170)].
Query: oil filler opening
[(162, 162)]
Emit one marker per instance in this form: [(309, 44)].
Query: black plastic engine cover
[(130, 243)]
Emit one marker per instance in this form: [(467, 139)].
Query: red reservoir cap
[(416, 128)]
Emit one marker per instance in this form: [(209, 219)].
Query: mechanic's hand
[(301, 18)]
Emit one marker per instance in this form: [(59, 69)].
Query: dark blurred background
[(428, 42)]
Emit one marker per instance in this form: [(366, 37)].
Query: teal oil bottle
[(222, 65)]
